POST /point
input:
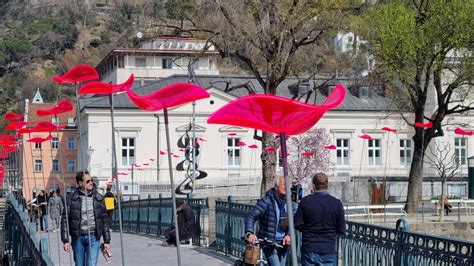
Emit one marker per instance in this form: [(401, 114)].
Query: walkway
[(144, 250)]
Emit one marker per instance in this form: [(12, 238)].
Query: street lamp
[(90, 150), (470, 164)]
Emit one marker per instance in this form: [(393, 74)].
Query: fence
[(363, 244), (152, 216), (21, 245)]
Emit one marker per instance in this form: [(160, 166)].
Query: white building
[(237, 170)]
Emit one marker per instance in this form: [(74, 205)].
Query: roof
[(33, 118), (375, 102)]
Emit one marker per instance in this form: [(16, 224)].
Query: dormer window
[(167, 63), (364, 91), (70, 122)]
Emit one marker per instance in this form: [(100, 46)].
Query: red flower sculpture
[(46, 126), (271, 149), (106, 88), (275, 114), (426, 125), (253, 146), (232, 134), (39, 139), (330, 147), (25, 130), (389, 129), (63, 106), (167, 97), (16, 125), (365, 136), (460, 131), (240, 144), (162, 153), (12, 116), (77, 74), (307, 154)]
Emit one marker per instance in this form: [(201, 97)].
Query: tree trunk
[(268, 163), (441, 214), (415, 180)]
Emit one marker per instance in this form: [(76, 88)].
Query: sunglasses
[(88, 181)]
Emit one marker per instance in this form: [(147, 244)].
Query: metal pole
[(173, 192), (385, 181), (114, 174), (81, 153), (194, 143), (133, 165), (288, 199), (45, 198), (157, 148)]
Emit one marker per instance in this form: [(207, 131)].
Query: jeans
[(80, 247), (316, 259), (44, 222), (276, 256)]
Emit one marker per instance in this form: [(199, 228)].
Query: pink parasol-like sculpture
[(167, 97), (280, 116)]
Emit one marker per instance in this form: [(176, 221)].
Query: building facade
[(43, 164)]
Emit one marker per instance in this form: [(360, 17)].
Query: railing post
[(148, 215), (423, 212), (138, 215), (459, 211), (160, 203), (400, 257), (228, 236)]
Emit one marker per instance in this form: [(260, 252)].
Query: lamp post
[(470, 163), (90, 150)]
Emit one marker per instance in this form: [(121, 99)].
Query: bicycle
[(261, 243)]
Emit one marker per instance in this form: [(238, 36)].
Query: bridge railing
[(21, 244), (152, 216), (363, 244)]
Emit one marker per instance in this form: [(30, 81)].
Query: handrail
[(21, 243)]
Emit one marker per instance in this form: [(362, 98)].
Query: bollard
[(459, 211), (423, 211)]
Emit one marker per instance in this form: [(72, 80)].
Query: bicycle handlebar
[(264, 242)]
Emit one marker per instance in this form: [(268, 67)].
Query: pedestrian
[(43, 210), (320, 218), (88, 222), (445, 203), (55, 209), (185, 225), (110, 203), (271, 213)]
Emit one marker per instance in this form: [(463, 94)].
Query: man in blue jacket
[(271, 213), (320, 217)]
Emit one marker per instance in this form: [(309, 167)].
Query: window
[(128, 151), (38, 166), (405, 152), (194, 63), (70, 122), (167, 63), (55, 143), (342, 151), (54, 120), (71, 166), (38, 146), (233, 152), (460, 148), (140, 61), (55, 166), (71, 143), (375, 157), (364, 91)]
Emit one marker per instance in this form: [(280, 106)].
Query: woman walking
[(55, 209)]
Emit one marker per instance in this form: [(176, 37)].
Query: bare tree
[(443, 159)]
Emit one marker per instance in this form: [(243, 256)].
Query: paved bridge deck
[(143, 250)]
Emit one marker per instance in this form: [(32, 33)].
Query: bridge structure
[(217, 239)]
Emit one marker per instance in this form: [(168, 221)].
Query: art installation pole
[(360, 172), (173, 192), (64, 184), (157, 148), (289, 205), (51, 151), (34, 177), (114, 174), (385, 180), (45, 198), (193, 144)]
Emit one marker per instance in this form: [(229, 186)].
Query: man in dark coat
[(43, 209), (88, 222), (320, 218), (185, 223), (271, 213)]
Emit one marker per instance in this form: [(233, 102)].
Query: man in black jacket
[(185, 223), (88, 222), (320, 218)]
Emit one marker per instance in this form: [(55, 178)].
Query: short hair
[(80, 175), (276, 180), (320, 181), (108, 189), (58, 191)]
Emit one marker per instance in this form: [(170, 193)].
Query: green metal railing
[(363, 244), (152, 216), (21, 244)]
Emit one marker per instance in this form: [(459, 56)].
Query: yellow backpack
[(109, 203)]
